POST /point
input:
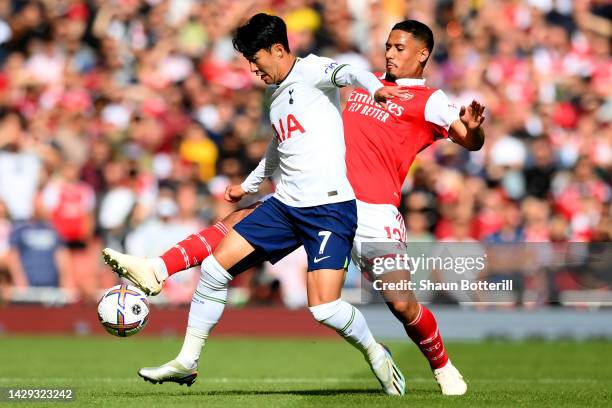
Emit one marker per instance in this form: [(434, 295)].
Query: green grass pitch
[(305, 373)]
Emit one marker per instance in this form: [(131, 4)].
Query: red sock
[(424, 332), (194, 249)]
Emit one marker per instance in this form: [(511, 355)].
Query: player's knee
[(213, 274), (324, 311), (405, 310)]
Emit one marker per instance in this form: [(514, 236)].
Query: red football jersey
[(382, 144)]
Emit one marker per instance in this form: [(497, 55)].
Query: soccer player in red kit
[(381, 144)]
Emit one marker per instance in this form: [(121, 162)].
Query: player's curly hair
[(418, 30), (261, 32)]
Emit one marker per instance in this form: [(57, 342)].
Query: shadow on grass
[(317, 392)]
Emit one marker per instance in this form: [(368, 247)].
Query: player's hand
[(382, 95), (472, 116), (234, 193)]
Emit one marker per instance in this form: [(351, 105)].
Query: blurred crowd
[(122, 122)]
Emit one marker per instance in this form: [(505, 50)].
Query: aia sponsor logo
[(291, 124)]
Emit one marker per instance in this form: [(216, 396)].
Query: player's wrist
[(377, 94)]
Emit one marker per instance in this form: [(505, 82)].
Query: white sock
[(160, 268), (207, 306), (350, 324), (192, 347)]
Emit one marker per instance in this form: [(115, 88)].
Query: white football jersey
[(308, 145)]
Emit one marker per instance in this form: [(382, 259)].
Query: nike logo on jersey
[(317, 260)]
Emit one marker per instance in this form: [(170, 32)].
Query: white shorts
[(380, 227)]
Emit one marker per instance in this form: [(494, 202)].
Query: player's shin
[(207, 306), (192, 250), (423, 330), (421, 326), (419, 323)]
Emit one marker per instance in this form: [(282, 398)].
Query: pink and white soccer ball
[(123, 310)]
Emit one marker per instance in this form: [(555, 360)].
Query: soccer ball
[(123, 310)]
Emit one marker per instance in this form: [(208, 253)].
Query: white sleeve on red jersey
[(440, 111), (264, 169), (327, 73)]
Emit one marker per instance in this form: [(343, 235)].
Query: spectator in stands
[(20, 167), (510, 231), (37, 256), (70, 204)]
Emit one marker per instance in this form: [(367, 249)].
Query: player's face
[(265, 65), (405, 55)]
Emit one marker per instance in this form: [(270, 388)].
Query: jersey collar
[(407, 81), (410, 81)]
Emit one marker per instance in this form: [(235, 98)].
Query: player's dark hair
[(418, 30), (261, 32)]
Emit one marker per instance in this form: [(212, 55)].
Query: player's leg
[(327, 307), (196, 247), (327, 233), (150, 273), (380, 233), (210, 297), (264, 229), (207, 306), (422, 328)]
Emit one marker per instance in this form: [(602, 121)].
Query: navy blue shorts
[(326, 231)]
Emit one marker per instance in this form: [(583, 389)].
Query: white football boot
[(138, 270), (389, 376), (172, 371), (450, 380)]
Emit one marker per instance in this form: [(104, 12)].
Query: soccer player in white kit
[(314, 203)]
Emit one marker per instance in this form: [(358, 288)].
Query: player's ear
[(424, 55), (278, 50)]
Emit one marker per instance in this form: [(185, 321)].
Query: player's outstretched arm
[(348, 75), (382, 95), (467, 130)]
